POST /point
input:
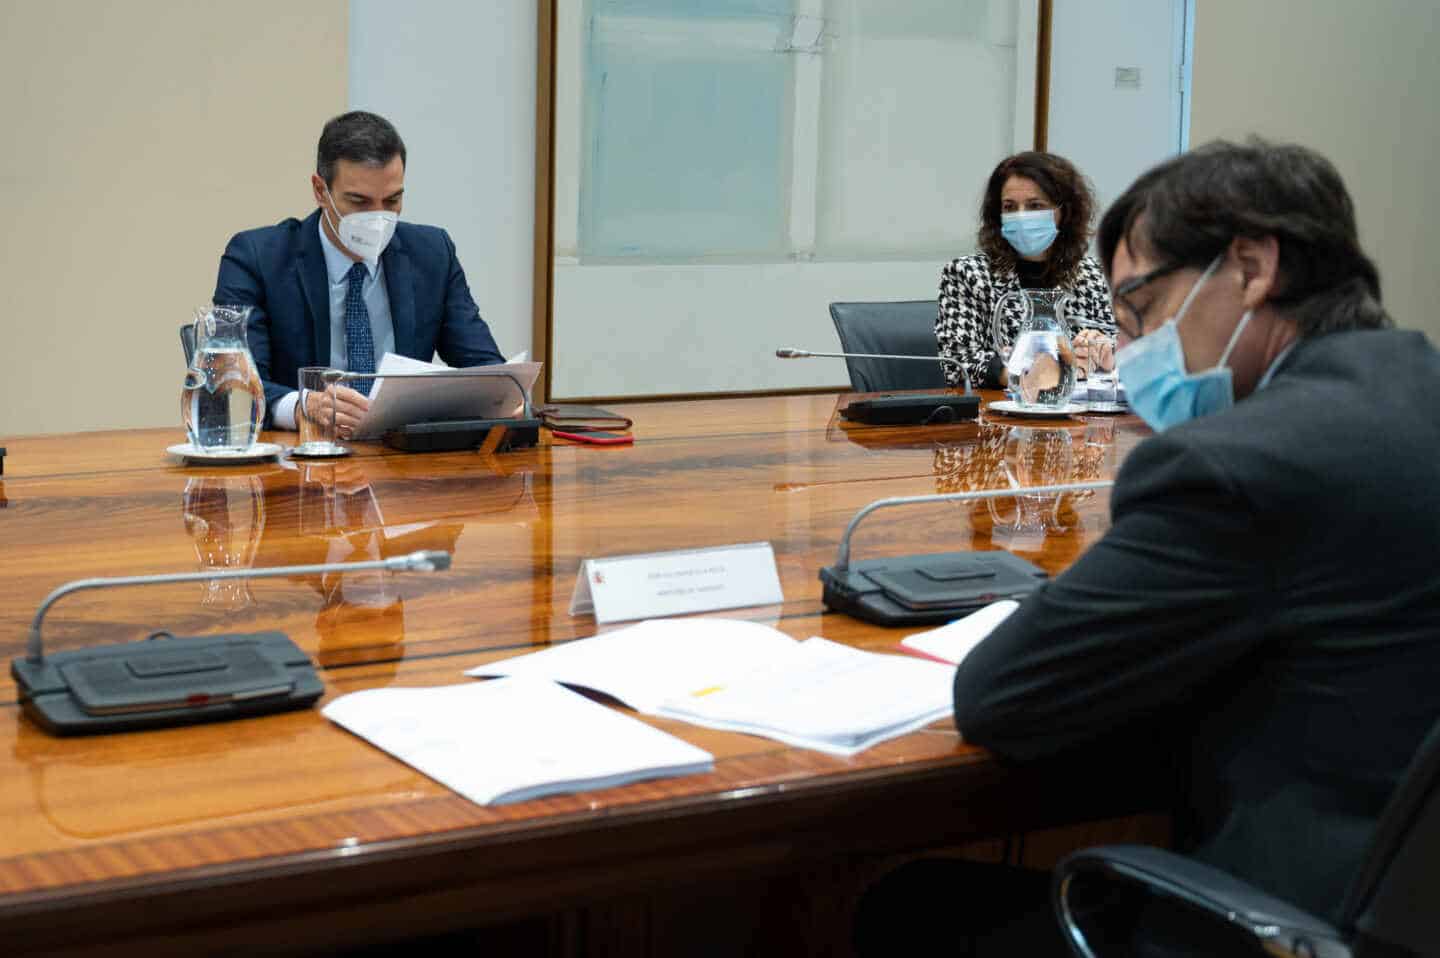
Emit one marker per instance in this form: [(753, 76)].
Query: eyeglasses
[(1126, 313)]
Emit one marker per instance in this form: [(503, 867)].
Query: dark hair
[(1066, 188), (1186, 211), (359, 137)]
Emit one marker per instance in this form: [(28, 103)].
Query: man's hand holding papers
[(487, 392)]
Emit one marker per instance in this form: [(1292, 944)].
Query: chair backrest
[(1391, 900), (903, 329), (187, 341)]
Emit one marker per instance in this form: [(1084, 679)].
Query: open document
[(953, 641), (486, 392), (746, 677), (514, 739)]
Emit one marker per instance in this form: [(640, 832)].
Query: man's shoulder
[(1341, 384), (421, 235), (1312, 430), (285, 233), (1362, 355)]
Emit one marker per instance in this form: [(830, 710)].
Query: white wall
[(1113, 135), (1356, 81), (457, 78), (139, 137)]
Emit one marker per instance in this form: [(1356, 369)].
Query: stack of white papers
[(514, 739), (825, 696), (646, 664), (745, 677), (953, 641), (487, 392)]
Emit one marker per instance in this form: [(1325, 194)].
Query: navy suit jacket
[(280, 271)]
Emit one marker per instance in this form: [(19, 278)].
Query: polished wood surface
[(276, 828)]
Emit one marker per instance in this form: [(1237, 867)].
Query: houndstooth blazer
[(969, 290)]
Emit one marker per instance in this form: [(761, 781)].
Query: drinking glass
[(315, 413), (1095, 348)]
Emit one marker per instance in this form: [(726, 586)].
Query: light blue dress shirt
[(377, 303)]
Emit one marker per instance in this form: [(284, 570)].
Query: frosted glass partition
[(688, 129), (917, 104), (725, 169)]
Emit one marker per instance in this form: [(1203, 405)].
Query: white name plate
[(658, 584)]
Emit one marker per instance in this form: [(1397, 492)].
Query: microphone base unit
[(927, 589), (166, 682), (926, 410), (453, 435)]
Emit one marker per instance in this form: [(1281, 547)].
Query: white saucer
[(1107, 407), (1012, 408), (257, 452)]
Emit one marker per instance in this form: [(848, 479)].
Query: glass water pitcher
[(223, 400), (1031, 336)]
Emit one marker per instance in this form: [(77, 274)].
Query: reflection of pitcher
[(1037, 457), (1030, 333), (225, 515)]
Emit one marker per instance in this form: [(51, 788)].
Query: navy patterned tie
[(359, 344)]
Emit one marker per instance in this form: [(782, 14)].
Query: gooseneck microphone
[(790, 352), (842, 559), (924, 589), (177, 680), (908, 409), (424, 561)]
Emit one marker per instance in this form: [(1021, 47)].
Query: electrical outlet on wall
[(1127, 78)]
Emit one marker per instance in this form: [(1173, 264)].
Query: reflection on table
[(1009, 456), (328, 512), (225, 515), (245, 833)]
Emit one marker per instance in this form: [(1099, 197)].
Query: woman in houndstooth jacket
[(1034, 230)]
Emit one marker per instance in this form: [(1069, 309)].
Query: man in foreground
[(1261, 608)]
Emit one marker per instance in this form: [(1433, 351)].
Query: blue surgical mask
[(1030, 232), (1157, 385)]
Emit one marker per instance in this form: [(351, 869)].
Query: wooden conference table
[(286, 832)]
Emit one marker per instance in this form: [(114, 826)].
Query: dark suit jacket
[(1265, 604), (280, 270)]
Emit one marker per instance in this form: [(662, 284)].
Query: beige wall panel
[(139, 135), (1356, 81)]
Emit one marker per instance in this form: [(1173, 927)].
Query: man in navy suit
[(350, 282)]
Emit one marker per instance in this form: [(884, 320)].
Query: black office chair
[(902, 329), (187, 342), (1388, 912)]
